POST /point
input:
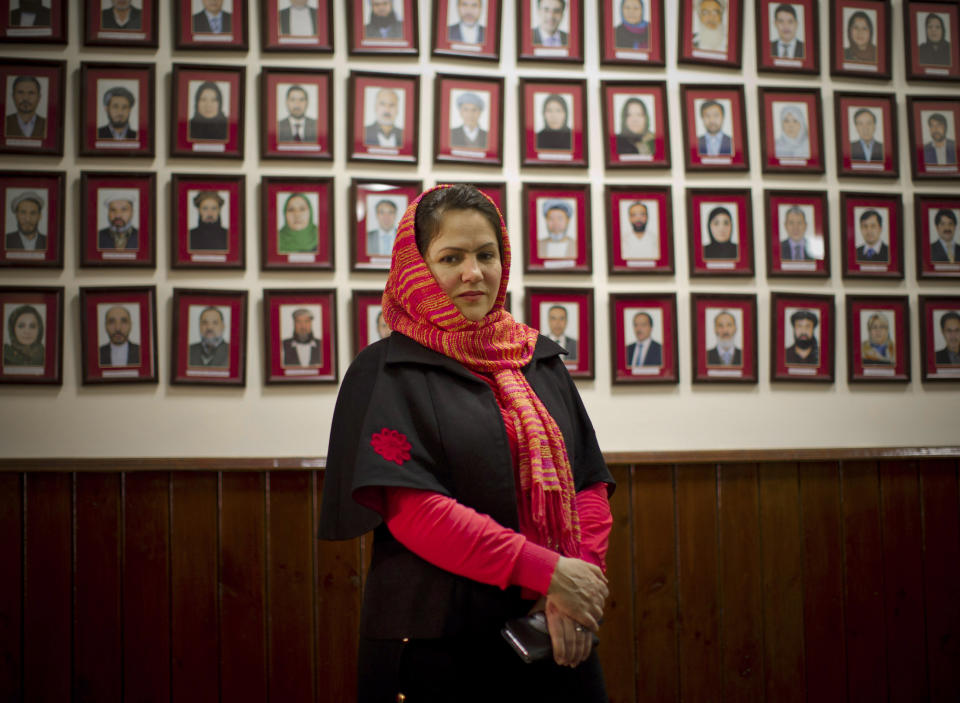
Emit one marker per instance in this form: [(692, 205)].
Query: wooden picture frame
[(878, 338), (207, 221), (802, 338), (715, 128), (720, 232), (930, 117), (383, 100), (47, 27), (206, 111), (643, 338), (385, 201), (724, 335), (550, 30), (873, 239), (300, 335), (296, 224), (710, 33), (117, 110), (285, 30), (118, 334), (556, 228), (137, 27), (296, 114), (468, 120), (939, 337), (863, 118), (932, 52), (33, 350), (33, 219), (788, 40), (577, 314), (208, 344), (553, 122), (366, 319), (631, 34), (628, 106), (797, 233), (860, 45), (39, 86), (118, 219), (394, 33), (936, 219), (791, 128), (195, 28), (638, 223), (478, 38)]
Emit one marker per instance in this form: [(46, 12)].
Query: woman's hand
[(577, 591), (571, 642)]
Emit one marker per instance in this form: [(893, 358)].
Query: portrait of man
[(934, 50), (384, 130), (557, 324), (209, 234), (873, 248), (298, 20), (945, 248), (950, 327), (710, 27), (549, 16), (384, 23), (866, 147), (469, 134), (805, 349), (726, 352), (644, 351), (212, 349), (383, 329), (296, 126), (795, 246), (118, 103), (639, 237), (213, 19), (633, 32), (380, 239), (302, 348), (31, 13), (878, 348), (714, 141), (120, 14), (787, 25), (27, 209), (120, 233), (939, 150), (559, 243), (119, 351), (26, 121), (468, 29)]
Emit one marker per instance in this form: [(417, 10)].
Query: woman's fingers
[(579, 590), (571, 642)]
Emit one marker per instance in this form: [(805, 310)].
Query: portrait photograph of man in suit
[(384, 21), (299, 124), (118, 215), (788, 31), (30, 13), (938, 148), (801, 337), (944, 247), (385, 108), (383, 214), (300, 334), (949, 324), (120, 330), (212, 16), (550, 18), (471, 107), (26, 107), (26, 209), (469, 27), (726, 338), (298, 19), (120, 110), (872, 235), (796, 243), (120, 15), (644, 350), (556, 238), (713, 139), (867, 123), (209, 336), (560, 318)]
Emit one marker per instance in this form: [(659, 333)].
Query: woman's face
[(934, 28), (632, 11), (27, 328), (879, 332), (721, 227), (636, 119), (297, 213), (208, 105), (464, 258), (791, 125), (860, 33), (554, 114)]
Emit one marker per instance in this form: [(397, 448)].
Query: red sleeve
[(595, 523)]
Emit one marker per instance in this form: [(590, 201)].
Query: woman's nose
[(471, 270)]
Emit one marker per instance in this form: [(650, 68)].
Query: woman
[(633, 32), (935, 51), (208, 121), (878, 348), (555, 134), (25, 332), (463, 441), (299, 233), (635, 136), (860, 38), (794, 140), (720, 229)]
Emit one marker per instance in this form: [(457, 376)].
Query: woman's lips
[(472, 294)]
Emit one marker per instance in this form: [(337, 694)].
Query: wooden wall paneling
[(146, 587), (697, 575), (863, 589), (940, 495), (11, 586), (195, 629), (290, 573), (243, 664), (782, 574), (98, 589), (47, 607), (741, 615)]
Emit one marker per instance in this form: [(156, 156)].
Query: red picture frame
[(710, 33), (938, 246), (626, 41), (797, 233), (939, 337), (300, 335), (724, 351), (118, 219), (642, 105), (296, 114), (872, 355), (194, 29), (113, 92), (397, 33), (791, 125), (553, 127), (45, 119), (477, 40), (864, 218), (458, 101), (715, 128), (560, 212), (42, 217), (366, 315), (207, 221), (35, 355), (643, 338), (852, 113), (713, 213), (925, 114), (929, 57), (551, 31), (209, 348), (383, 100), (217, 91), (639, 222), (860, 47), (289, 209), (802, 337), (118, 333), (49, 29), (577, 305), (280, 33), (372, 246), (102, 26), (788, 41)]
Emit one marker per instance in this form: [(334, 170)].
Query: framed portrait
[(791, 122), (209, 340), (385, 124), (296, 114), (724, 337), (934, 124), (631, 32), (468, 120), (207, 221), (639, 222), (34, 21), (878, 338), (550, 30), (556, 228), (931, 31), (32, 335), (210, 24), (297, 25), (377, 207), (467, 28), (366, 310), (872, 241), (710, 32), (860, 39), (32, 103), (643, 338), (553, 122), (33, 223), (636, 124), (935, 225), (118, 334), (720, 231), (496, 191), (802, 334), (383, 27), (798, 233), (565, 315), (120, 23), (117, 109), (299, 334), (866, 134), (940, 338), (296, 223), (715, 128), (118, 219), (787, 36), (206, 118)]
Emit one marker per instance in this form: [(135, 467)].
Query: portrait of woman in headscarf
[(556, 132), (299, 231), (635, 136), (633, 32), (24, 346), (720, 231), (860, 39), (209, 121), (935, 51), (794, 141)]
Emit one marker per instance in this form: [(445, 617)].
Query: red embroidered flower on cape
[(391, 445)]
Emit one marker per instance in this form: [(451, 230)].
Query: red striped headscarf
[(499, 346)]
